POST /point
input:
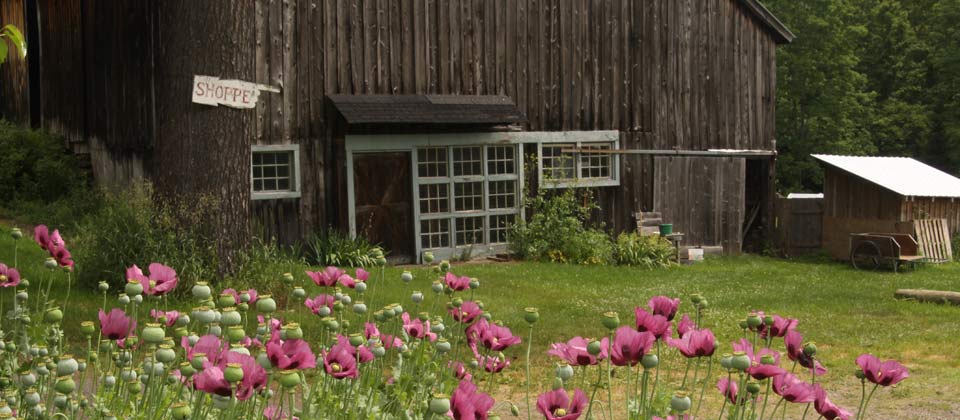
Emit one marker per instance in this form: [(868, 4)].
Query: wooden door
[(383, 193)]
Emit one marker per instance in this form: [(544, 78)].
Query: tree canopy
[(867, 77)]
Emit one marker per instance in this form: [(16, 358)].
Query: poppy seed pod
[(67, 365), (266, 304), (16, 234), (594, 348), (226, 300), (726, 361), (474, 283), (564, 371), (680, 402), (406, 277), (133, 287), (531, 315), (437, 287), (768, 320), (153, 334), (230, 317), (753, 387), (235, 333), (442, 345), (416, 297), (50, 263), (200, 290), (457, 302), (288, 278), (444, 265), (138, 299), (103, 286), (359, 307), (233, 372), (166, 354), (650, 361), (611, 320), (293, 331), (768, 359), (428, 259), (754, 320), (53, 315), (289, 378), (123, 299), (810, 349), (134, 386), (181, 411), (439, 404), (740, 361)]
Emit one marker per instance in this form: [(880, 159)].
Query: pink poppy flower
[(211, 381), (208, 345), (556, 405), (494, 337), (664, 306), (460, 371), (494, 364), (320, 301), (696, 343), (116, 325), (761, 371), (326, 278), (236, 295), (361, 275), (779, 328), (794, 344), (370, 331), (826, 408), (291, 354), (884, 374), (793, 389), (468, 404), (63, 257), (730, 389), (466, 313), (162, 280), (340, 363), (9, 276), (457, 283), (275, 323), (41, 234), (347, 281), (416, 328), (629, 346), (365, 355), (254, 375), (574, 351), (273, 412), (658, 325), (685, 325), (171, 316)]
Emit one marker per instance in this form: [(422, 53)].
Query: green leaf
[(16, 38), (3, 52)]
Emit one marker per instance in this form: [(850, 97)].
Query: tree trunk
[(204, 151)]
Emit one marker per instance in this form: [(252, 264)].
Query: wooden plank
[(931, 296)]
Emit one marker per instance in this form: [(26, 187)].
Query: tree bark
[(204, 151)]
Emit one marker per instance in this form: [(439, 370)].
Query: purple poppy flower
[(466, 313), (254, 375), (493, 364), (116, 325), (685, 325), (291, 354), (208, 345), (794, 344), (658, 325), (496, 337), (884, 374), (416, 328), (457, 283), (664, 306), (326, 278), (729, 389), (556, 405), (696, 343), (779, 328), (41, 234), (320, 301), (574, 351), (826, 408), (468, 404), (170, 316), (793, 389), (340, 363), (365, 355), (629, 346), (9, 276), (761, 371), (162, 279)]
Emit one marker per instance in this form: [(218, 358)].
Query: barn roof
[(777, 29), (427, 109), (902, 175)]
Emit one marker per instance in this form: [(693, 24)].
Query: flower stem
[(866, 402), (596, 386), (703, 389), (529, 345)]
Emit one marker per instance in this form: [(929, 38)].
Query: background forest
[(867, 77)]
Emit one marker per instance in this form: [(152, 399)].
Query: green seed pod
[(289, 378), (564, 371), (680, 402), (753, 387), (103, 286), (233, 372), (611, 320), (442, 345), (439, 404), (154, 334), (594, 347), (428, 259), (531, 315), (181, 411), (650, 361), (226, 300), (16, 234), (235, 333), (266, 304), (201, 290), (134, 386), (288, 278), (406, 277), (166, 354), (740, 361), (753, 320), (768, 359), (810, 349), (133, 287), (87, 328)]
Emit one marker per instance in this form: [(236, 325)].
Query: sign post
[(211, 90)]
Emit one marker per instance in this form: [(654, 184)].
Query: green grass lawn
[(846, 312)]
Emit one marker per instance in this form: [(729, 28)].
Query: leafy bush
[(643, 251), (40, 180), (130, 227), (558, 230), (333, 247)]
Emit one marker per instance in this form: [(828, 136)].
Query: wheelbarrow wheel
[(866, 256)]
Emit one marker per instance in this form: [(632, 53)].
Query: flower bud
[(680, 402), (859, 374), (740, 361), (439, 404), (514, 410), (103, 286), (201, 290), (611, 320), (531, 315), (594, 347)]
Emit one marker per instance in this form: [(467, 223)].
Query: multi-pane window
[(274, 172), (583, 168), (468, 195)]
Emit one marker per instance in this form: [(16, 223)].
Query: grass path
[(846, 312)]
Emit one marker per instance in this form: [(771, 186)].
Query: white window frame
[(295, 192), (580, 139)]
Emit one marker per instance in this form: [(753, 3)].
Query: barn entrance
[(384, 202)]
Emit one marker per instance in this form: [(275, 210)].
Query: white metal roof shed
[(902, 175)]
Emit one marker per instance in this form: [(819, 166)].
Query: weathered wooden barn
[(417, 122), (883, 195)]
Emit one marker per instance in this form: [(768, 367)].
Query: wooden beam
[(934, 296), (713, 153)]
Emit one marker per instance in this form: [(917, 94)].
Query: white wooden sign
[(210, 90)]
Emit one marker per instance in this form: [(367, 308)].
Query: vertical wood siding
[(14, 99)]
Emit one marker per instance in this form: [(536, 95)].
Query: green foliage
[(558, 230), (133, 227), (40, 181), (261, 266), (333, 247), (12, 34), (651, 251), (871, 77)]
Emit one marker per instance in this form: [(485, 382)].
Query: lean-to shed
[(883, 194)]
